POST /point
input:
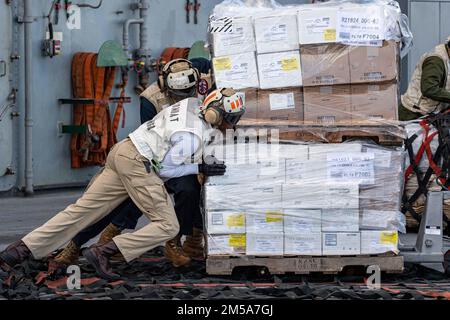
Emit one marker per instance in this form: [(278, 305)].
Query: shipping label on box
[(340, 220), (279, 70), (317, 25), (229, 244), (280, 104), (341, 243), (303, 244), (260, 244), (374, 103), (233, 36), (327, 105), (360, 24), (277, 33), (374, 64), (302, 221), (377, 242), (326, 64), (225, 222), (264, 221), (351, 167), (236, 71)]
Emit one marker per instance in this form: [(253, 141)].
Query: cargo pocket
[(150, 193)]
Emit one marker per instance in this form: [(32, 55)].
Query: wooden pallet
[(224, 265), (388, 134)]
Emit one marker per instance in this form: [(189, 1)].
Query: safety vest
[(161, 99), (153, 138), (413, 99)]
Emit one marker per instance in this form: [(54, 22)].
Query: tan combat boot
[(193, 246), (107, 235), (175, 254), (69, 256)]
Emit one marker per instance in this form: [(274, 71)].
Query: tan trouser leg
[(124, 174), (149, 194), (105, 194)]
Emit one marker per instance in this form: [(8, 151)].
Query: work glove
[(212, 167)]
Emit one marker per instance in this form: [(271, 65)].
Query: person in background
[(429, 89)]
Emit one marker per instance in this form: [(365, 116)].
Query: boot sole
[(93, 261)]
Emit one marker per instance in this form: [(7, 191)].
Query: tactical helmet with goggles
[(180, 78), (223, 104)]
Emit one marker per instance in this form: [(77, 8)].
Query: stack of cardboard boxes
[(289, 65), (300, 199)]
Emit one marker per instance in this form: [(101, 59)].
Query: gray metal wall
[(51, 77)]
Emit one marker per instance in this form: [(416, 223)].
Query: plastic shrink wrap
[(304, 199), (345, 53)]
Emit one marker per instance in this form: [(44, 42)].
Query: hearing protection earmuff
[(223, 104), (175, 67)]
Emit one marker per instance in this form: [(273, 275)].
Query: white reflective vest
[(153, 138), (413, 99)]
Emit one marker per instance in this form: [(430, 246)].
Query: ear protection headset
[(223, 104), (177, 66)]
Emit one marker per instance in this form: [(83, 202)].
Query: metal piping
[(126, 34), (28, 20), (144, 51)]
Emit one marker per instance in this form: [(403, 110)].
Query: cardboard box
[(319, 152), (279, 104), (228, 244), (276, 33), (302, 171), (248, 162), (325, 64), (380, 219), (243, 196), (279, 70), (374, 64), (386, 193), (236, 71), (260, 244), (271, 171), (262, 221), (317, 25), (302, 221), (327, 105), (294, 151), (240, 40), (320, 195), (225, 222), (250, 100), (341, 243), (340, 220), (303, 244), (377, 242), (374, 102)]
